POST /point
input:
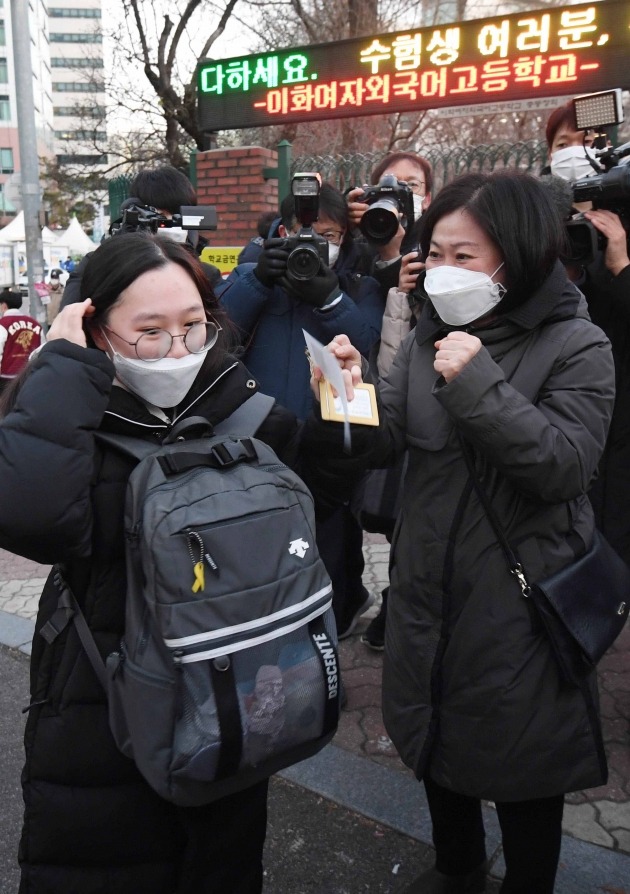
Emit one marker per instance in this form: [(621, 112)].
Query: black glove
[(272, 262), (318, 291)]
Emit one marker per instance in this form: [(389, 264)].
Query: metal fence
[(118, 192), (354, 169)]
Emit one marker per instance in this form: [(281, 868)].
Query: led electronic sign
[(560, 51)]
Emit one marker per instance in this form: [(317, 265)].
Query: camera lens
[(303, 262), (380, 222)]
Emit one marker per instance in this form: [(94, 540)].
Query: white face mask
[(417, 206), (174, 233), (572, 162), (461, 296), (163, 383), (333, 254)]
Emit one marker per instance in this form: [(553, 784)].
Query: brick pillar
[(232, 180)]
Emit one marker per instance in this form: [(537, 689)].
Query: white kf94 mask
[(461, 296)]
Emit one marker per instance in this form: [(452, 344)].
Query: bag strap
[(513, 563), (243, 422), (68, 610)]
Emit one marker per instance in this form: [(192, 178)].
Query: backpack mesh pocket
[(279, 693)]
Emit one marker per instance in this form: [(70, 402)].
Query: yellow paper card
[(362, 410)]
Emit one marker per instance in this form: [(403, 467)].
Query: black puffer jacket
[(92, 824)]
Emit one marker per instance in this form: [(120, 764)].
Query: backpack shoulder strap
[(136, 448), (246, 419), (68, 610), (243, 423)]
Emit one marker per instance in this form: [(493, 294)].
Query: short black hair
[(332, 203), (11, 298), (563, 116), (264, 223), (164, 188), (517, 214)]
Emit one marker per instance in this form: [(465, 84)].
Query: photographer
[(416, 172), (605, 282), (271, 307), (165, 189)]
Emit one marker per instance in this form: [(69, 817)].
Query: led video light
[(596, 110)]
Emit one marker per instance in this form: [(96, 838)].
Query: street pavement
[(352, 819)]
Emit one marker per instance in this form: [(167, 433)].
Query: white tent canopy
[(14, 232), (75, 237)]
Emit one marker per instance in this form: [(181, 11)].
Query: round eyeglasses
[(156, 343)]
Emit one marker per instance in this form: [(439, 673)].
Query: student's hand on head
[(454, 352), (69, 322), (608, 223), (410, 267), (348, 358)]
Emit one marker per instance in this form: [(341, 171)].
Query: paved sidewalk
[(361, 770)]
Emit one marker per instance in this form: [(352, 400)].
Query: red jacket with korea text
[(20, 335)]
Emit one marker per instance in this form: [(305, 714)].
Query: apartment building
[(10, 198), (77, 72)]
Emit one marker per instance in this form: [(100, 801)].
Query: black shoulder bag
[(583, 607)]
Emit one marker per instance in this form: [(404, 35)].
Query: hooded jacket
[(472, 695), (270, 322), (62, 500)]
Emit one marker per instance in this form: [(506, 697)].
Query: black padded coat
[(472, 695)]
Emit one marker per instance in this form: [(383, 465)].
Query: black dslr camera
[(391, 204), (136, 216), (609, 190), (307, 250)]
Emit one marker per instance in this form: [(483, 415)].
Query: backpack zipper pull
[(211, 562), (199, 582)]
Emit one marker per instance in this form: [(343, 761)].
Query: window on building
[(4, 71), (3, 41), (78, 87), (76, 38), (74, 13), (79, 111), (82, 159), (5, 108), (57, 62), (6, 161), (80, 135)]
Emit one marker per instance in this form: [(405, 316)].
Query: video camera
[(307, 250), (609, 190), (391, 204), (137, 216)]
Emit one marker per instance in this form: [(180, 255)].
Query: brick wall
[(232, 180)]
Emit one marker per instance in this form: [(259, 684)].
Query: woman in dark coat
[(505, 360), (92, 823)]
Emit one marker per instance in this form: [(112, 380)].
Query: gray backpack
[(228, 670)]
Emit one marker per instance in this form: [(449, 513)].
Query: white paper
[(360, 407), (329, 366)]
